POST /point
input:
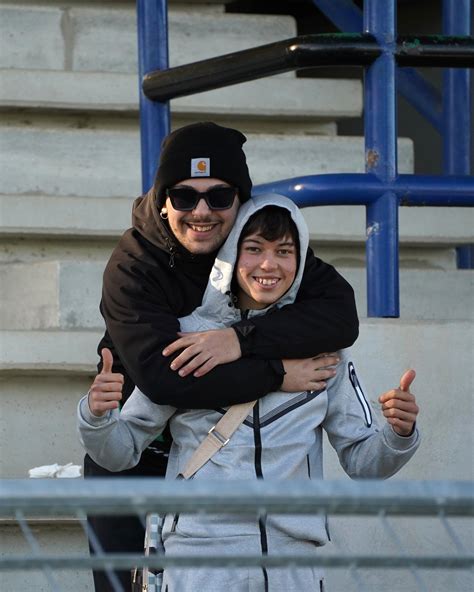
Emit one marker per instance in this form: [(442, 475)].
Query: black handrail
[(305, 51)]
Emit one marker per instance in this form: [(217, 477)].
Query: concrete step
[(98, 38), (435, 295), (67, 294), (49, 352), (38, 422), (89, 76), (300, 101), (53, 370), (71, 218), (99, 157)]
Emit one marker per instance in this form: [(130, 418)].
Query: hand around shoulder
[(203, 351), (309, 374)]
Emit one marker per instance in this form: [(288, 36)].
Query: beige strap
[(217, 437)]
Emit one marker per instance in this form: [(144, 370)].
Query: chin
[(202, 249)]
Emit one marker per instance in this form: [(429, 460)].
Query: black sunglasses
[(185, 199)]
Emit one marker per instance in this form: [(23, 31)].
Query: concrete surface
[(80, 154), (84, 38), (67, 294), (298, 100)]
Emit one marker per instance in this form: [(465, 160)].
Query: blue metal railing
[(381, 189), (152, 55)]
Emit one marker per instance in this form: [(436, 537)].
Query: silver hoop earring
[(164, 214)]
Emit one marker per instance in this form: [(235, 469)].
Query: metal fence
[(447, 505)]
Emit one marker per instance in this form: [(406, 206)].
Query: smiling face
[(202, 230), (265, 270)]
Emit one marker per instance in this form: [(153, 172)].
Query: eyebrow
[(287, 243)]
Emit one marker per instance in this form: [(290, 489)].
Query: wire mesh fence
[(419, 532)]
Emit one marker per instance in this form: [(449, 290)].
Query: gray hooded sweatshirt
[(281, 439)]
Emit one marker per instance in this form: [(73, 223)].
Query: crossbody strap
[(217, 437)]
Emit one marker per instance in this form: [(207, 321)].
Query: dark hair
[(272, 223)]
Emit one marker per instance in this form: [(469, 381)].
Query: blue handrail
[(381, 189), (450, 114), (152, 29)]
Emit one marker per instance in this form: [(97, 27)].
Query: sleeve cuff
[(245, 331), (398, 442), (279, 370), (88, 417)]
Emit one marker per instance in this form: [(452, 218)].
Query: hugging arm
[(141, 323), (322, 319)]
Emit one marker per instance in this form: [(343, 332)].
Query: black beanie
[(203, 150)]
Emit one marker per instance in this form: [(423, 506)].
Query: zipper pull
[(171, 250)]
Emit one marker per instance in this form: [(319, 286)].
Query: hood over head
[(216, 298)]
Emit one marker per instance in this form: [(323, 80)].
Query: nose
[(268, 262), (201, 209)]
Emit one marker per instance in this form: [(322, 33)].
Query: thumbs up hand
[(399, 405), (106, 390)]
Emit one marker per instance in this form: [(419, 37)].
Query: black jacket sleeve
[(140, 324), (322, 319)]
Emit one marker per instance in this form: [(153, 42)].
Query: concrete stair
[(88, 36), (67, 293), (70, 171), (86, 165)]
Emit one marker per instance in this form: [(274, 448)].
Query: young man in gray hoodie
[(258, 269)]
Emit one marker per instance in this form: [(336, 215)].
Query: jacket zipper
[(259, 473), (171, 250)]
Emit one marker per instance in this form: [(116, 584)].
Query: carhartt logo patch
[(200, 167)]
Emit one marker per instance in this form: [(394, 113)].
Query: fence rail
[(447, 504), (142, 495)]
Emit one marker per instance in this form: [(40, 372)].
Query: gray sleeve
[(116, 440), (366, 446)]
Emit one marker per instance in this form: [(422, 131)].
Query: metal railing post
[(380, 121), (420, 93), (152, 28), (457, 109)]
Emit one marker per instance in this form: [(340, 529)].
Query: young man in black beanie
[(159, 271)]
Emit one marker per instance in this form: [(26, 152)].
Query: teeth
[(201, 228), (266, 281)]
